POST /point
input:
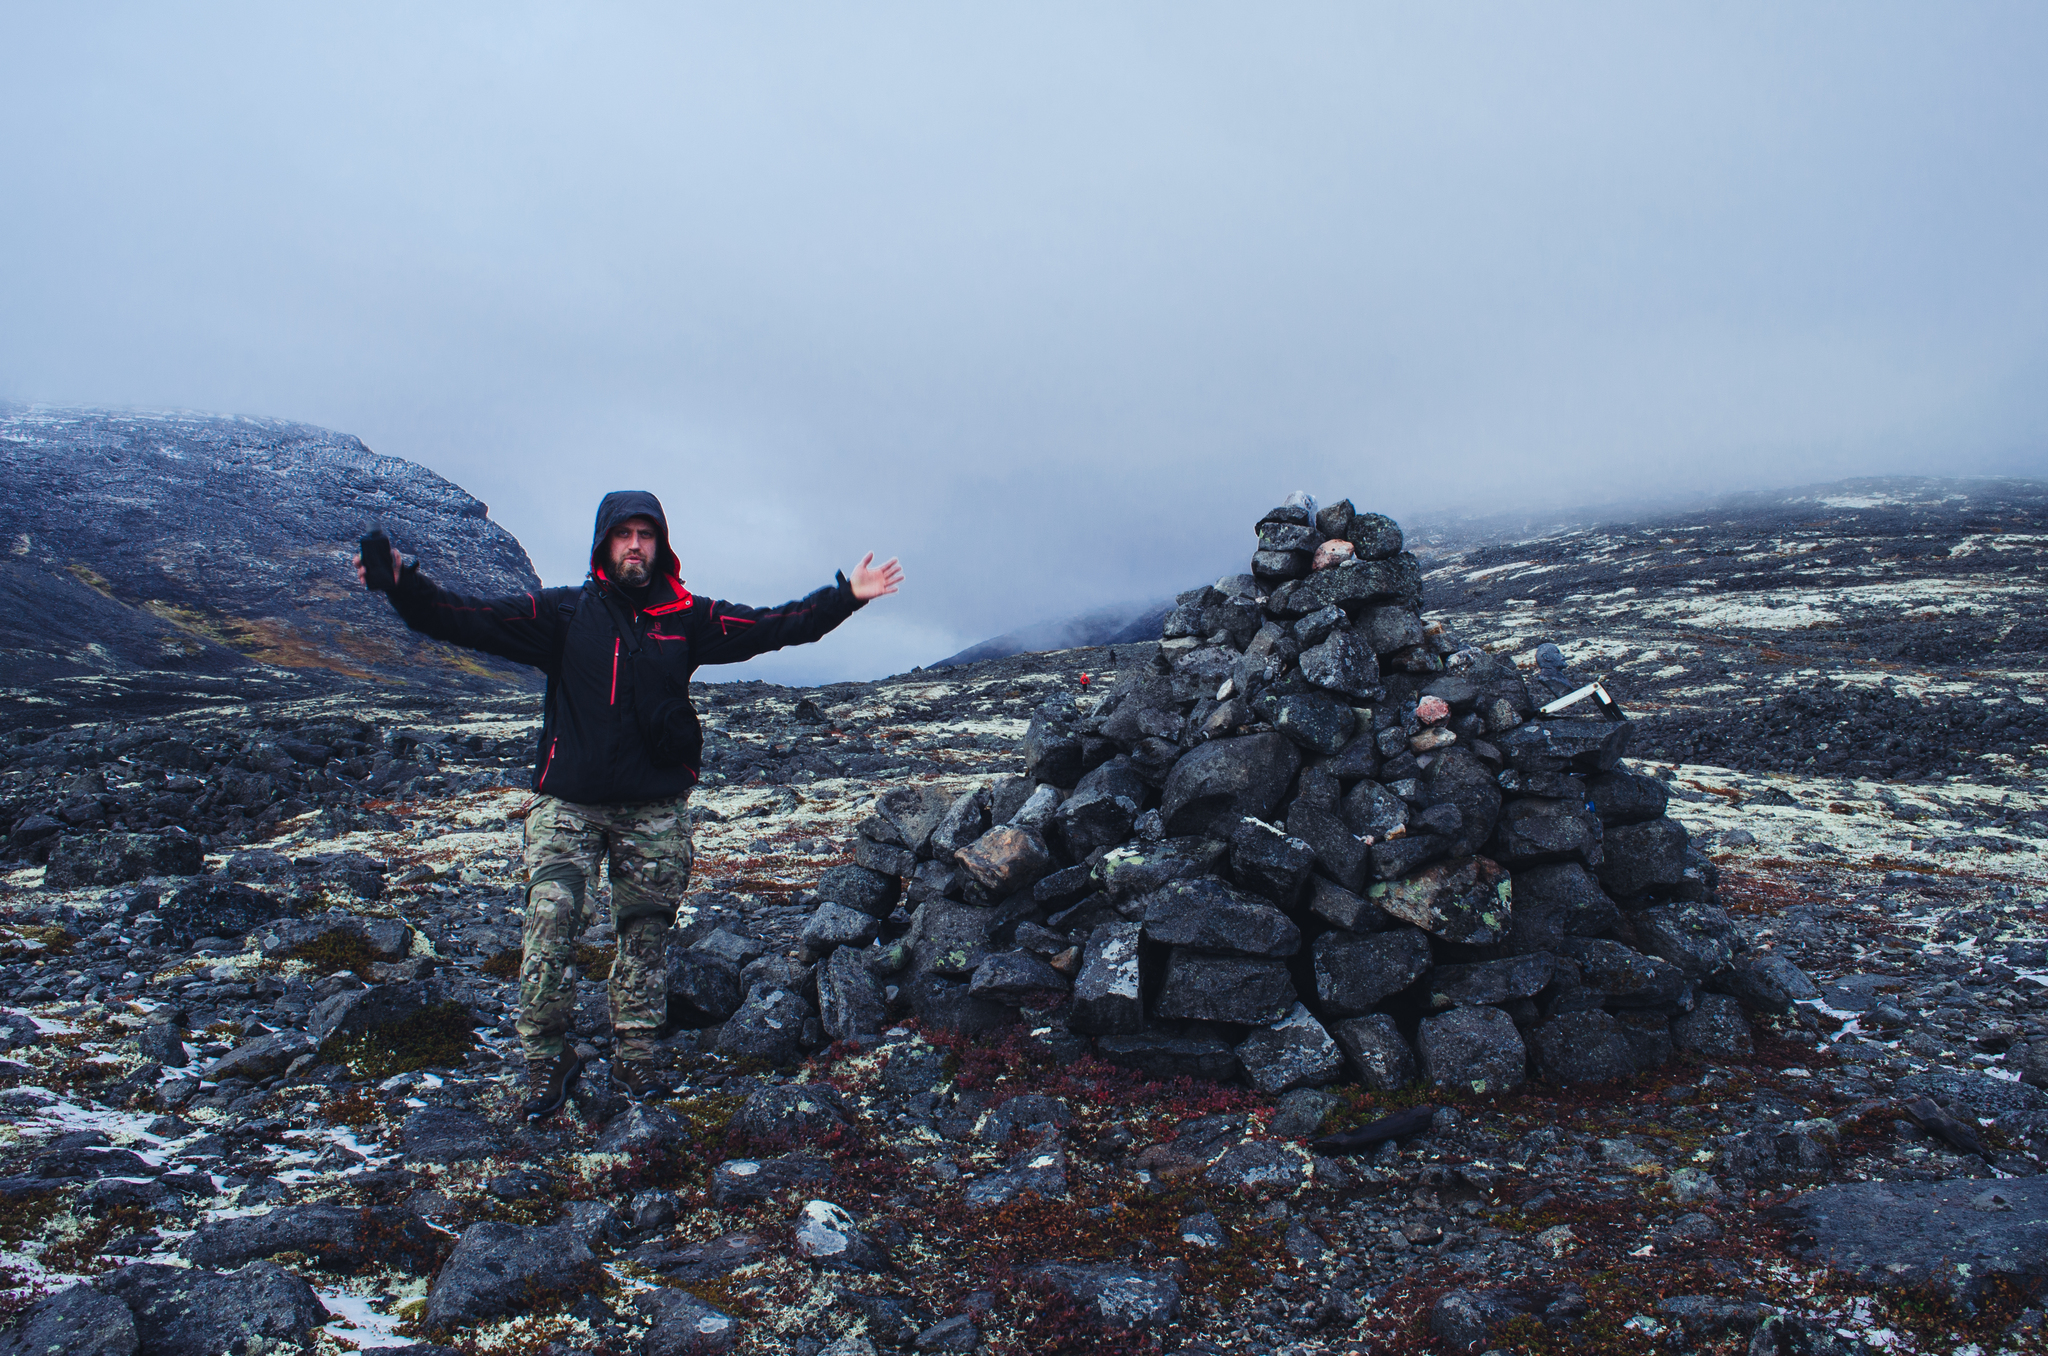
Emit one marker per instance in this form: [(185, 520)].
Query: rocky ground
[(258, 1084)]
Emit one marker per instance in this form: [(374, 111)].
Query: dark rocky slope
[(204, 545), (1847, 628)]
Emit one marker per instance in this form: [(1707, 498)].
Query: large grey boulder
[(1378, 537), (1006, 860), (1625, 797), (1137, 869), (333, 1236), (1641, 860), (1476, 1049), (1591, 744), (681, 1324), (1498, 981), (703, 988), (506, 1268), (1204, 988), (213, 906), (1343, 908), (211, 481), (1294, 1052), (446, 1134), (1245, 775), (950, 939), (1356, 972), (849, 997), (1555, 901), (384, 939), (1715, 1028), (78, 1321), (835, 925), (1163, 1055), (1375, 1047), (770, 1026), (1699, 939), (1270, 862), (89, 1155), (856, 887), (1468, 900), (884, 859), (1015, 978), (913, 812), (1582, 1047), (792, 1112), (1344, 856), (1345, 665), (749, 1181), (1457, 779), (1768, 982), (1209, 915), (1198, 672), (1960, 1239), (188, 1312), (82, 859), (1052, 750), (1538, 829), (1622, 976), (1374, 811), (965, 820), (262, 1057), (1319, 724), (1098, 815), (1353, 586), (356, 1012), (1108, 992), (1121, 1295)]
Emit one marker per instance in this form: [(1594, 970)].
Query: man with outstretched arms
[(617, 760)]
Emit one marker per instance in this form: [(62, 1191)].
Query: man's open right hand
[(397, 566)]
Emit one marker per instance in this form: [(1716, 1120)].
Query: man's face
[(634, 545)]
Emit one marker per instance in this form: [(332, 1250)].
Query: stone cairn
[(1317, 830)]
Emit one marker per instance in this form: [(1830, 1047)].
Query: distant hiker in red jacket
[(617, 760)]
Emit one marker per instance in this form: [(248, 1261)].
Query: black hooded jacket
[(619, 728)]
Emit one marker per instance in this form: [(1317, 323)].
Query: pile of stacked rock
[(1315, 830)]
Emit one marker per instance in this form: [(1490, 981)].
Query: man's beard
[(634, 573)]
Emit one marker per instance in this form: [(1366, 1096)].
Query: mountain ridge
[(139, 541)]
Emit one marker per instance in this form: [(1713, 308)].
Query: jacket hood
[(614, 509)]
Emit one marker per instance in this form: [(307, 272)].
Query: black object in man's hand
[(377, 561)]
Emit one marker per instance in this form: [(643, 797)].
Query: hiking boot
[(548, 1084), (636, 1080)]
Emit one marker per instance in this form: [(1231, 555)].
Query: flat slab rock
[(1957, 1236), (502, 1268), (1123, 1295), (440, 1134), (191, 1312), (336, 1237)]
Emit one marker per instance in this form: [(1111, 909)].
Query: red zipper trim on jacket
[(615, 671), (682, 602), (542, 780)]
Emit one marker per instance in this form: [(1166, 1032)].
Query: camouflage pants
[(648, 849)]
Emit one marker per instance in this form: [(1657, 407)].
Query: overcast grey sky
[(1051, 300)]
